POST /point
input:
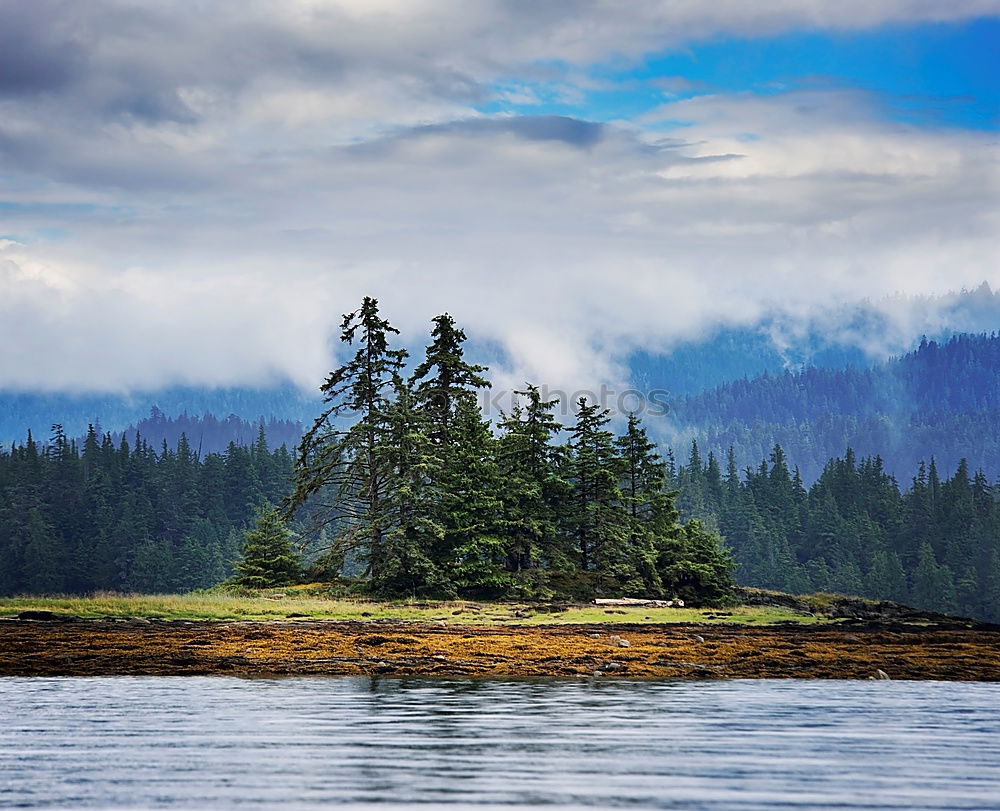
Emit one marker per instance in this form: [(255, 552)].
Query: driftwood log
[(639, 602)]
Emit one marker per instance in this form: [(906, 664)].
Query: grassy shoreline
[(304, 631), (292, 606), (619, 649)]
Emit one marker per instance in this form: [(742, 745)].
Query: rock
[(374, 640), (45, 616), (610, 667), (882, 675), (366, 613), (699, 638), (594, 636), (678, 603), (621, 643)]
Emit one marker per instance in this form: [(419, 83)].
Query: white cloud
[(243, 176)]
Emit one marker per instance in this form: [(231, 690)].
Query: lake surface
[(192, 742)]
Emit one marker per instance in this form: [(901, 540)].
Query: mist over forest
[(816, 386)]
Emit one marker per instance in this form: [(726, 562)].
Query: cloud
[(74, 328), (37, 54), (569, 130), (200, 196), (567, 251)]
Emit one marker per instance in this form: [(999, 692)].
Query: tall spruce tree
[(531, 489), (651, 512), (445, 393), (596, 520), (475, 543), (444, 379), (414, 533), (346, 469)]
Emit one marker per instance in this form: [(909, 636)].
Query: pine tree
[(696, 567), (152, 568), (445, 390), (531, 490), (886, 579), (43, 557), (991, 589), (413, 533), (347, 468), (933, 584), (193, 564), (597, 522), (267, 560), (241, 487), (474, 536), (444, 379), (651, 512)]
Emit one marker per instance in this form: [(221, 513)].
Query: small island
[(415, 538), (770, 635)]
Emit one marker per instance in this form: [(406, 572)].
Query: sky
[(195, 192)]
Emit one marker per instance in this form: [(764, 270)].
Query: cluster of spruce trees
[(935, 546), (404, 474), (99, 515)]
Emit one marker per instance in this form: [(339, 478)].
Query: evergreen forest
[(401, 488), (98, 515), (934, 545)]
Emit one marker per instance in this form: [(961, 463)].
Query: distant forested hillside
[(37, 411), (943, 398), (934, 545), (856, 335), (208, 433)]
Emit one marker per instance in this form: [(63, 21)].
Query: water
[(294, 743)]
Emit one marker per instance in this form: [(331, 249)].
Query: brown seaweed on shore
[(663, 651)]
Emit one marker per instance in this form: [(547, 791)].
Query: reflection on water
[(219, 742)]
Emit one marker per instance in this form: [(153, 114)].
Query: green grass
[(222, 606)]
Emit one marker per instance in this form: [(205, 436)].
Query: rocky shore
[(50, 646)]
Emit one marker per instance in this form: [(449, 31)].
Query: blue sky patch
[(930, 74)]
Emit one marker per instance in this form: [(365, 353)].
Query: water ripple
[(238, 743)]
